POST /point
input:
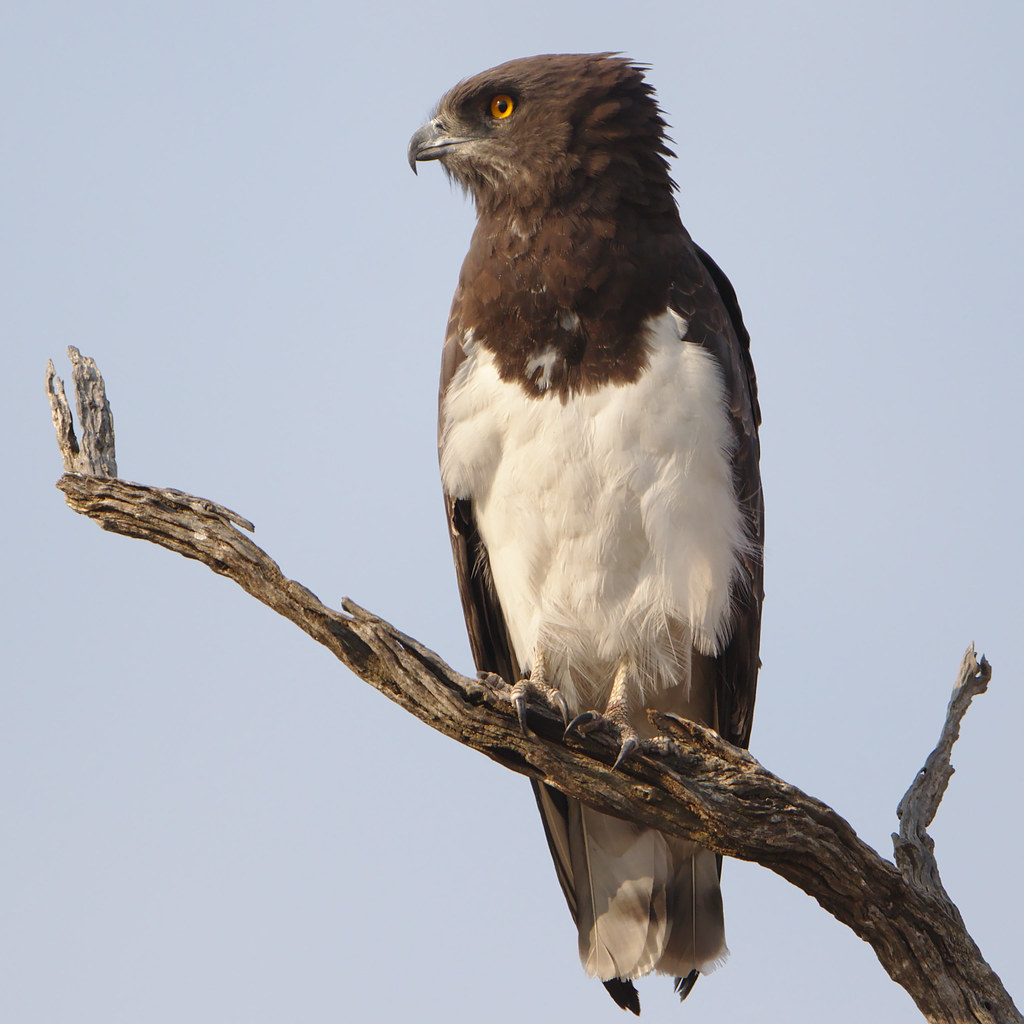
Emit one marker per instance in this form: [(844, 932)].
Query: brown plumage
[(578, 273), (575, 212)]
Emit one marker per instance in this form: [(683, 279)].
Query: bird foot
[(538, 690), (612, 724)]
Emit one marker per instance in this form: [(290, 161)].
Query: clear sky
[(206, 818)]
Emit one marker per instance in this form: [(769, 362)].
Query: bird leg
[(536, 685), (615, 719)]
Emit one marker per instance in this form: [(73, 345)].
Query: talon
[(562, 706), (615, 725), (521, 715), (518, 697), (630, 746), (583, 724), (536, 685)]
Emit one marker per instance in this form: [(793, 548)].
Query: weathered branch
[(914, 848), (697, 786), (95, 457)]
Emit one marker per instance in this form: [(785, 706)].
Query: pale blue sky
[(206, 818)]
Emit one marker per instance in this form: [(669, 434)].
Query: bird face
[(544, 128), (472, 131), (493, 130)]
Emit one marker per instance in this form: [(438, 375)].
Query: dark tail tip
[(624, 993), (685, 985)]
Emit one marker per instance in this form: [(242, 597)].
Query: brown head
[(557, 130)]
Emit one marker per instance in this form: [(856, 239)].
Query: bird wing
[(703, 296)]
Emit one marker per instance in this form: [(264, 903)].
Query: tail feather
[(618, 868), (684, 986), (697, 941), (625, 994), (645, 902)]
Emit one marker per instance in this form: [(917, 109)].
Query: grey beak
[(431, 142)]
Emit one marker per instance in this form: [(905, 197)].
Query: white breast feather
[(610, 519)]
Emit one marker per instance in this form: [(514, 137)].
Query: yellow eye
[(502, 106)]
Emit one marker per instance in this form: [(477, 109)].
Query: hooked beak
[(431, 142)]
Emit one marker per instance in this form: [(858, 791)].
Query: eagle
[(598, 445)]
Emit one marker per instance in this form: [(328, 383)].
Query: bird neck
[(586, 285)]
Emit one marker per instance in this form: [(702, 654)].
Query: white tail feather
[(623, 920), (645, 902)]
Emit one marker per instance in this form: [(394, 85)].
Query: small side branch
[(698, 787), (95, 456), (914, 847)]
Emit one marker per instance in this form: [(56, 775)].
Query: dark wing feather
[(488, 638), (703, 295), (492, 651)]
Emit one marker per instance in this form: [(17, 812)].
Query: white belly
[(610, 519)]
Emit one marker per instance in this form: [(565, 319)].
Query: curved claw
[(550, 695), (519, 700), (630, 745), (593, 721), (561, 706), (582, 724)]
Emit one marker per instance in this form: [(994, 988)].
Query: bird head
[(550, 129)]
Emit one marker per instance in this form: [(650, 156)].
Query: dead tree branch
[(698, 787), (914, 848), (95, 457)]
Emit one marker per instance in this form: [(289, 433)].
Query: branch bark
[(697, 786)]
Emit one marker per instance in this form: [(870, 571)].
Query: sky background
[(205, 817)]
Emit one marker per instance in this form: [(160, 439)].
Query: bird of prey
[(599, 458)]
